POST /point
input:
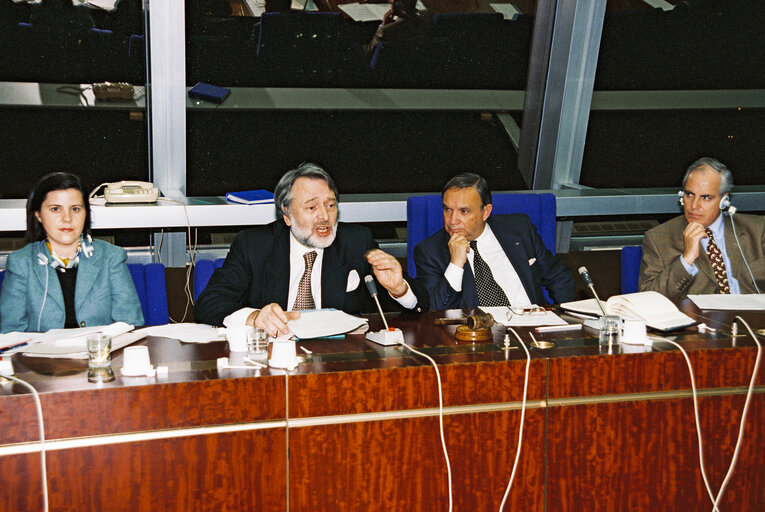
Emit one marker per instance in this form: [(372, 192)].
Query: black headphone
[(724, 200)]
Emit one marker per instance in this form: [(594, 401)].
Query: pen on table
[(15, 345), (555, 328), (305, 350)]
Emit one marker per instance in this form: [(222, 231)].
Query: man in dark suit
[(680, 256), (306, 260), (508, 262)]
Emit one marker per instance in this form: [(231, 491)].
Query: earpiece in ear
[(681, 195), (725, 202)]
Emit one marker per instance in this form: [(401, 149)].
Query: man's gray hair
[(283, 190), (726, 177)]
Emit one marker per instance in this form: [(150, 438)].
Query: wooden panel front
[(643, 455), (138, 408), (240, 471), (650, 372), (413, 388), (399, 464)]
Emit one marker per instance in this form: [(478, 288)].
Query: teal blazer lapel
[(47, 279), (87, 272)]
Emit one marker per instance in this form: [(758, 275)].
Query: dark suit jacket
[(257, 270), (521, 242), (662, 271)]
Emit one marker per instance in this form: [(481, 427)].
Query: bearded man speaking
[(305, 260)]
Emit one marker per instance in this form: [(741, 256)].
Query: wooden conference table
[(355, 427)]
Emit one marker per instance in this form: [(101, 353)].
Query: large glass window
[(674, 84), (401, 112), (51, 53)]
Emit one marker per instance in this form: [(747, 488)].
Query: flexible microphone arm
[(586, 278), (373, 292)]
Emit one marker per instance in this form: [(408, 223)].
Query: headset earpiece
[(680, 196), (42, 259), (725, 202)]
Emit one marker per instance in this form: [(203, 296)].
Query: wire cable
[(38, 407), (712, 497), (749, 393), (523, 415), (192, 251), (440, 419), (731, 212)]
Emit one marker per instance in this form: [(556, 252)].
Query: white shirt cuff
[(453, 275), (238, 318), (408, 300), (691, 269)]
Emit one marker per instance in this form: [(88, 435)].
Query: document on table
[(504, 315), (365, 12), (321, 323), (745, 302), (72, 343), (186, 332)]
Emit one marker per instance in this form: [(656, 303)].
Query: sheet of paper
[(746, 302), (54, 350), (107, 5), (503, 315), (321, 323), (508, 11), (187, 332), (365, 12)]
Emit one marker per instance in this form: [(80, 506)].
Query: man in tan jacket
[(702, 251)]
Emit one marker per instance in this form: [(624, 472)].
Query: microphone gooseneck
[(372, 288), (588, 280)]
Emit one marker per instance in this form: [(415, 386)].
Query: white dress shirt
[(501, 268), (297, 268)]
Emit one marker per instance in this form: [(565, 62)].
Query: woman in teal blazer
[(63, 278)]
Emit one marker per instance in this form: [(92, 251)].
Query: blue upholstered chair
[(203, 271), (2, 276), (424, 216), (149, 280), (631, 257)]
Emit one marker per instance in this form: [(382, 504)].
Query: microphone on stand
[(586, 278), (389, 335), (372, 287)]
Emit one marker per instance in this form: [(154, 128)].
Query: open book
[(657, 311)]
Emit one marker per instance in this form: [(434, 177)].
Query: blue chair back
[(424, 216), (149, 280), (203, 271), (2, 276), (631, 257)]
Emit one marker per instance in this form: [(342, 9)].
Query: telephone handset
[(131, 192)]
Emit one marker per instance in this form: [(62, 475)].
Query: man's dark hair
[(283, 190), (49, 183), (467, 180)]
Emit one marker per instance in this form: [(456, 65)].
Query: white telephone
[(131, 192)]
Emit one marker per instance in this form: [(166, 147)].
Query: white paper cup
[(634, 332), (237, 337), (283, 354), (135, 361)]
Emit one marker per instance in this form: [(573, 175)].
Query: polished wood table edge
[(655, 395), (131, 437)]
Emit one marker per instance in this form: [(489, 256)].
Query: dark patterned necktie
[(489, 292), (304, 299), (718, 265)]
